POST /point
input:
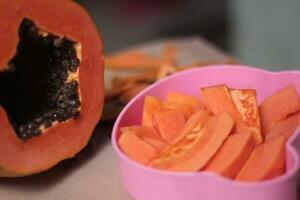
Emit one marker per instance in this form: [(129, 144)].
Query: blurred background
[(261, 33)]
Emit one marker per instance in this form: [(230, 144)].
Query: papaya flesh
[(168, 123), (266, 161), (184, 99), (51, 83), (285, 127), (136, 148), (148, 134), (232, 155), (278, 106), (184, 109), (218, 99), (185, 140), (245, 102), (151, 106), (240, 104), (193, 123), (132, 60), (193, 152)]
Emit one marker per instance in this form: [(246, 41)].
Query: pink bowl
[(144, 183)]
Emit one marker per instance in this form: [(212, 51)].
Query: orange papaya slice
[(278, 106), (266, 161), (132, 60), (246, 104), (218, 99), (151, 106), (148, 134), (196, 148), (168, 123), (135, 148), (233, 154), (184, 99), (184, 109), (196, 121), (285, 127)]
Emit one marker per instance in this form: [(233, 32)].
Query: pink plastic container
[(144, 183)]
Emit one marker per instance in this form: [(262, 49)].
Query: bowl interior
[(190, 82)]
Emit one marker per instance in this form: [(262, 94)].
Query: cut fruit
[(132, 60), (180, 98), (285, 127), (148, 134), (245, 102), (151, 106), (240, 104), (232, 155), (218, 99), (197, 147), (168, 123), (136, 148), (194, 122), (225, 137), (266, 161), (51, 83), (278, 106), (184, 109)]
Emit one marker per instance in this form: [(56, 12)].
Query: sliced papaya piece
[(246, 104), (233, 154), (285, 127), (180, 98), (136, 148), (278, 106), (193, 151), (151, 106), (218, 99), (168, 123), (132, 60), (196, 121), (266, 161), (148, 134), (184, 109)]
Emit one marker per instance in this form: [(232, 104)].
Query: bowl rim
[(229, 182)]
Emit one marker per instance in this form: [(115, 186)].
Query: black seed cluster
[(56, 100), (62, 105)]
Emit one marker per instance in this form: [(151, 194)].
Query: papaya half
[(51, 83)]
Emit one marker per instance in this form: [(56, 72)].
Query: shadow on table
[(46, 180)]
